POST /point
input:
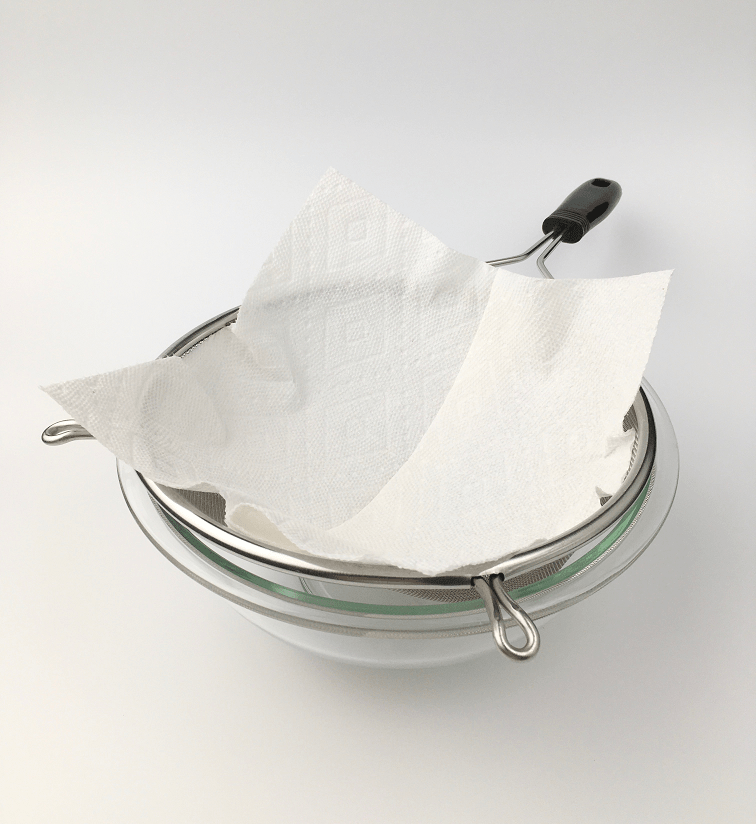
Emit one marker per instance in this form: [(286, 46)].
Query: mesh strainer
[(198, 517)]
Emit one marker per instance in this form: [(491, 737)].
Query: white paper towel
[(383, 398)]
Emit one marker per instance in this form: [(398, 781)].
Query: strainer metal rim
[(379, 575)]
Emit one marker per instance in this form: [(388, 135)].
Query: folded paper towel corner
[(385, 399)]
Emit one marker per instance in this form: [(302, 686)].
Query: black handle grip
[(587, 206)]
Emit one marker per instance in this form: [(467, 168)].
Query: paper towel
[(383, 398)]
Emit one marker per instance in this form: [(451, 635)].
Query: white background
[(152, 154)]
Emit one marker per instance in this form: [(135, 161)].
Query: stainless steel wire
[(541, 262), (555, 239), (524, 255)]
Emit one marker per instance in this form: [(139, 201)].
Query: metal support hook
[(496, 600), (64, 432)]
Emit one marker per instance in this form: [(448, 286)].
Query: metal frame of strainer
[(588, 205)]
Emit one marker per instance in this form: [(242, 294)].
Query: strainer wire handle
[(497, 602), (580, 211)]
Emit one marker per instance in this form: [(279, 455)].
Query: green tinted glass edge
[(419, 609)]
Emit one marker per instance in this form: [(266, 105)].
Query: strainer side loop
[(497, 601), (64, 432)]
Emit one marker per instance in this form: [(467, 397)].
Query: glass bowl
[(393, 618)]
